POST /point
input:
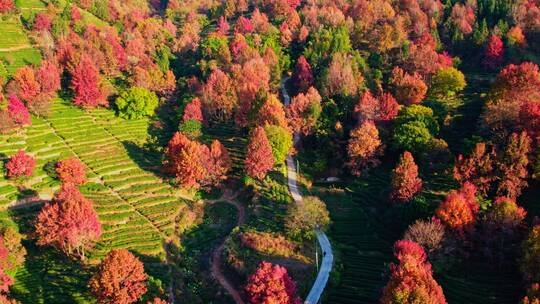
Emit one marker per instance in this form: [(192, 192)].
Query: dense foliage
[(136, 103)]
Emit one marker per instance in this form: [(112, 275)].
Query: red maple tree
[(218, 96), (20, 164), (456, 212), (409, 89), (494, 53), (184, 160), (42, 22), (6, 6), (271, 284), (273, 113), (85, 82), (216, 162), (48, 76), (243, 25), (411, 280), (223, 26), (120, 278), (24, 84), (71, 171), (304, 111), (193, 111), (405, 180), (364, 148), (477, 169), (259, 157), (69, 222), (303, 76), (513, 165), (17, 111), (5, 282)]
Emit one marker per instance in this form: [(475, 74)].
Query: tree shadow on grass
[(163, 125), (50, 277), (158, 281), (147, 159), (47, 276)]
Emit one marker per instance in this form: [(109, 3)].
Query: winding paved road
[(328, 258)]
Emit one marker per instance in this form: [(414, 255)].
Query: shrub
[(136, 103), (267, 243), (20, 164), (191, 128), (71, 171)]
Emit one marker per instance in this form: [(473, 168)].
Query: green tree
[(418, 113), (281, 141), (303, 218), (324, 43), (412, 136), (447, 82), (136, 103)]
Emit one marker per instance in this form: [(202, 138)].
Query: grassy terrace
[(137, 209), (15, 47)]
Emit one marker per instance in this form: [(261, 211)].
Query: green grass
[(30, 4), (14, 36)]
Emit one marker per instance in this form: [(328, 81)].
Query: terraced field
[(134, 204), (362, 241), (137, 209), (15, 48)]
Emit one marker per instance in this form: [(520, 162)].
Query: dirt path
[(216, 255)]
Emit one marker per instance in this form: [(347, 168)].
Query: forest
[(270, 151)]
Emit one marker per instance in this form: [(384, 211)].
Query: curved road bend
[(326, 265)]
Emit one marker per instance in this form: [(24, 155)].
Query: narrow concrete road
[(328, 258)]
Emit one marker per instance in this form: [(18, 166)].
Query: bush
[(20, 164), (191, 127), (136, 103), (267, 243)]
